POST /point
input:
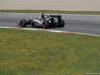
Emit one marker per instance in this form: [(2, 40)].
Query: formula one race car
[(44, 21)]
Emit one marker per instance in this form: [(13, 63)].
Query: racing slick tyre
[(23, 23), (33, 25), (62, 23), (45, 24)]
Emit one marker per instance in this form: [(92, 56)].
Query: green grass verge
[(25, 52), (52, 11)]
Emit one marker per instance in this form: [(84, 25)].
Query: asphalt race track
[(74, 23)]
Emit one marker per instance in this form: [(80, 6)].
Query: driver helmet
[(42, 15)]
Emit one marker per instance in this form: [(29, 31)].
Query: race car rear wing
[(59, 17)]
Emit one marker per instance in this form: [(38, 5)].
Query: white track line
[(67, 32)]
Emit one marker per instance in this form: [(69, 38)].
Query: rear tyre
[(23, 23), (45, 24), (62, 23)]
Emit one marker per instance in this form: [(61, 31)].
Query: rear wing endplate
[(59, 17)]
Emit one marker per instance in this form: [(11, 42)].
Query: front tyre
[(23, 23), (62, 23)]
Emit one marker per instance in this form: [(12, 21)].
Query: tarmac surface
[(89, 24)]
